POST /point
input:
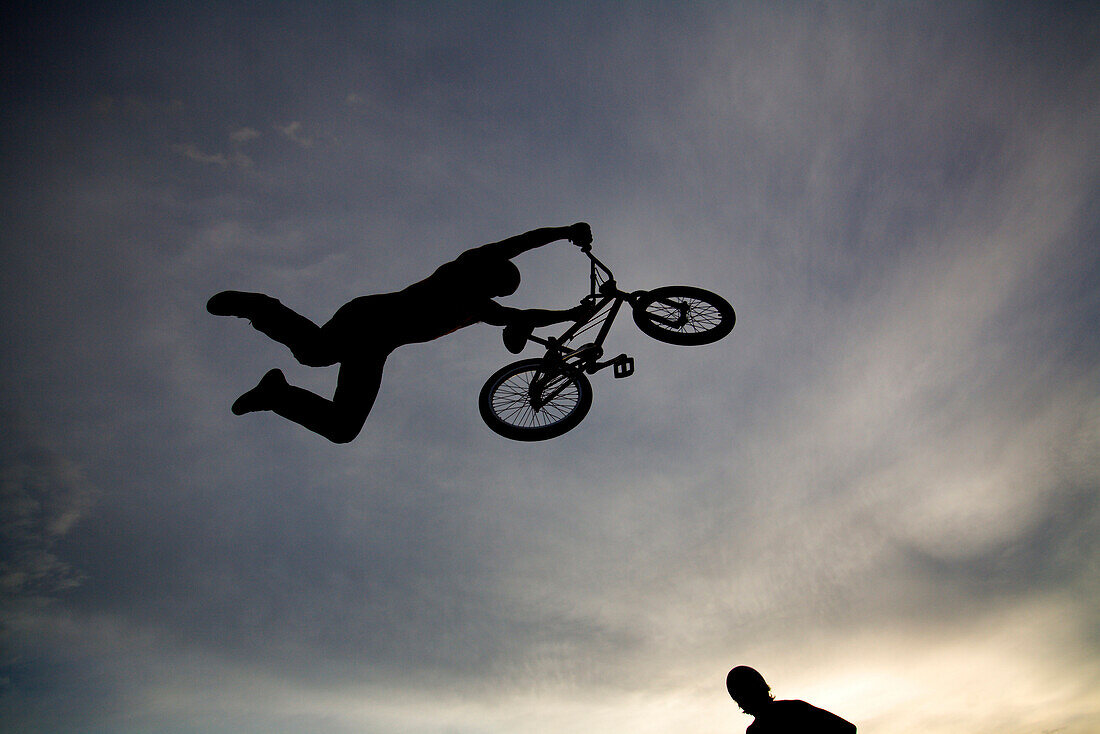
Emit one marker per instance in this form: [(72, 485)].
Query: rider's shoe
[(516, 336), (258, 398), (234, 303)]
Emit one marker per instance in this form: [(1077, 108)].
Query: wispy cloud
[(293, 131), (192, 152), (42, 497), (244, 135)]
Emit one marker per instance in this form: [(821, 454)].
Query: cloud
[(293, 131), (192, 152), (244, 135), (43, 496)]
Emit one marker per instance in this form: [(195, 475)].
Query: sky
[(880, 490)]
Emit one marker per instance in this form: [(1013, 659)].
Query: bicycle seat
[(516, 336)]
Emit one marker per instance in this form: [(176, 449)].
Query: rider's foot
[(516, 336), (259, 397), (232, 303)]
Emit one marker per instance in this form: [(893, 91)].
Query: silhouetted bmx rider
[(364, 331)]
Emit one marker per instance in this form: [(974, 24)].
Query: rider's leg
[(340, 419), (518, 324), (305, 339), (546, 317)]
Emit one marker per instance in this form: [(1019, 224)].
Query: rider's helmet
[(748, 688)]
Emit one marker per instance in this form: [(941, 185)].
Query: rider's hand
[(580, 234)]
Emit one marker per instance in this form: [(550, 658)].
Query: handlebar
[(598, 269)]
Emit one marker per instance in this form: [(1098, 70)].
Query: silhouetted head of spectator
[(749, 689), (499, 278)]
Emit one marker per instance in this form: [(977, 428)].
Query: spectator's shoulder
[(811, 717), (789, 705)]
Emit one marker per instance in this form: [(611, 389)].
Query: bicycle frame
[(606, 300)]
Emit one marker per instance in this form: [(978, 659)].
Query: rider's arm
[(580, 234), (496, 315)]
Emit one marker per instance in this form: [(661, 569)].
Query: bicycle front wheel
[(684, 315), (532, 400)]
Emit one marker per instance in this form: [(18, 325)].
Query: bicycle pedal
[(623, 366)]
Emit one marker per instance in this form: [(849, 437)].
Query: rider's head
[(748, 688), (499, 278)]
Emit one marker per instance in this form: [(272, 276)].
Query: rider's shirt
[(446, 300)]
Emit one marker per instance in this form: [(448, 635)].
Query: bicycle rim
[(526, 402), (684, 315)]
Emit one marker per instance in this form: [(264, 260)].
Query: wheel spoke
[(697, 315), (512, 399)]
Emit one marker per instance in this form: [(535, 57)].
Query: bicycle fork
[(676, 323), (545, 386)]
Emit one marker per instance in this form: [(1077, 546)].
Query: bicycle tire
[(709, 317), (505, 402)]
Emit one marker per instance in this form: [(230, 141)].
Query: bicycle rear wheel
[(532, 400), (684, 315)]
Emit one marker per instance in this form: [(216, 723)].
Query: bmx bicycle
[(542, 398)]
